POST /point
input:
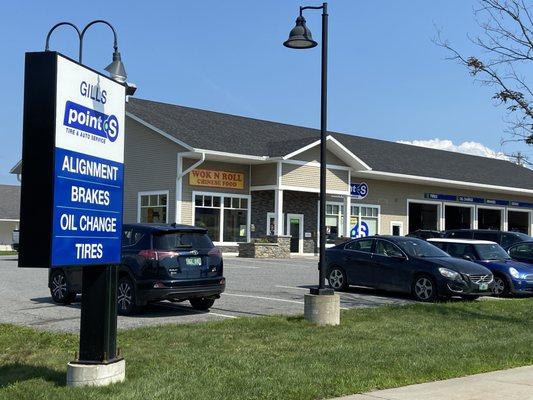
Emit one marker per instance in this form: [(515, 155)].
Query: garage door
[(488, 218), (456, 217), (518, 221), (423, 216)]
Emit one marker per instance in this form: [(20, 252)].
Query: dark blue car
[(510, 276), (405, 264)]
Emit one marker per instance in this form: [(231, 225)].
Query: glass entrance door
[(295, 230)]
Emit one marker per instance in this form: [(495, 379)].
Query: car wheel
[(337, 279), (501, 286), (126, 297), (202, 304), (425, 289), (59, 290)]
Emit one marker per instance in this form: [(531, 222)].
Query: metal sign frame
[(47, 238)]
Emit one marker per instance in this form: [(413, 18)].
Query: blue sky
[(386, 78)]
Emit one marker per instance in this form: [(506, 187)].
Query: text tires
[(58, 288), (126, 297), (202, 304), (337, 279), (425, 289)]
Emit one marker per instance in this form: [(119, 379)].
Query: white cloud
[(474, 148)]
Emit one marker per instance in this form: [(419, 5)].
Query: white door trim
[(473, 213), (300, 233), (398, 224)]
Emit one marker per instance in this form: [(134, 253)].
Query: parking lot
[(254, 288)]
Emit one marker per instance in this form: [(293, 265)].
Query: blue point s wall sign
[(83, 130)]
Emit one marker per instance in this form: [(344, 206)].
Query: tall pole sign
[(71, 196), (73, 165)]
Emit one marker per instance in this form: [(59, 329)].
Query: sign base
[(95, 374), (322, 309)]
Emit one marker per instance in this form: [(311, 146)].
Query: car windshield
[(182, 240), (491, 251), (420, 248)]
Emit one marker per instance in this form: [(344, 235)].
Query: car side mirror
[(467, 257)]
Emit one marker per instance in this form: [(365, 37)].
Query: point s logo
[(91, 121)]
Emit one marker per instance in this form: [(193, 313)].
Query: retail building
[(243, 178)]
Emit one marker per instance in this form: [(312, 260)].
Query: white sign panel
[(89, 166)]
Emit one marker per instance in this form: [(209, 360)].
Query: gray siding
[(264, 174), (150, 163)]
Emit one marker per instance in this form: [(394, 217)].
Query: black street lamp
[(116, 69), (300, 38)]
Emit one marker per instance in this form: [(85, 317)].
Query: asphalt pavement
[(254, 288)]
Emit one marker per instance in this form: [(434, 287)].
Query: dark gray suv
[(159, 262)]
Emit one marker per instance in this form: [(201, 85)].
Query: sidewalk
[(510, 384)]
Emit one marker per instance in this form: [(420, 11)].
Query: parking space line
[(262, 298), (272, 298), (291, 287)]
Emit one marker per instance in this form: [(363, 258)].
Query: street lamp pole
[(300, 38)]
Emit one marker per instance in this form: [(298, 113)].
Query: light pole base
[(95, 374), (323, 309)]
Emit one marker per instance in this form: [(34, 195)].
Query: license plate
[(483, 286), (193, 261)]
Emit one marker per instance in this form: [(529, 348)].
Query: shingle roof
[(9, 201), (210, 130)]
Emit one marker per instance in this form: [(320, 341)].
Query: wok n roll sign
[(219, 179)]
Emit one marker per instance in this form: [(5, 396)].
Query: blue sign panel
[(497, 202), (436, 196), (468, 199), (359, 190), (521, 204), (87, 209)]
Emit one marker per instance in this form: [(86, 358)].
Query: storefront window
[(364, 220), (224, 217), (153, 208), (334, 221)]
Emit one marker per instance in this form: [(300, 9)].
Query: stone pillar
[(278, 211)]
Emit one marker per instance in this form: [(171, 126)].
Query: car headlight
[(448, 273), (514, 273)]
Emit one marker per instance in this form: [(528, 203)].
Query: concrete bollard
[(95, 374), (322, 309)]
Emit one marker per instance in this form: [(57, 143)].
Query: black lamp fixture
[(116, 69), (300, 38)]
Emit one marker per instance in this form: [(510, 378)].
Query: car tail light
[(159, 285), (215, 252), (157, 254)]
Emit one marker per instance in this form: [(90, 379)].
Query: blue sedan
[(405, 264), (510, 276)]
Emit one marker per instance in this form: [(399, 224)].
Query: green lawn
[(283, 358)]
